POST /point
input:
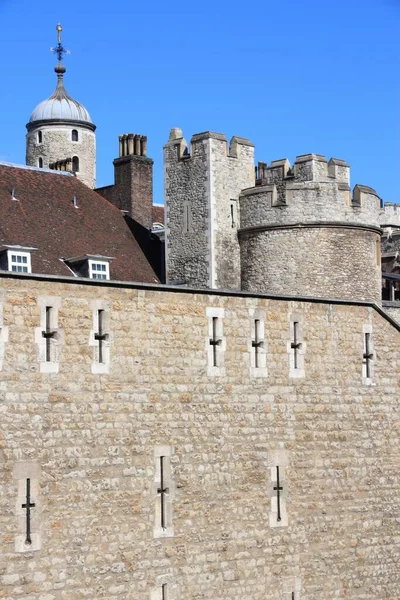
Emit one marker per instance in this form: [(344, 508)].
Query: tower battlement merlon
[(315, 167), (178, 143), (177, 140)]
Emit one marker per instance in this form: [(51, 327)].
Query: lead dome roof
[(60, 105)]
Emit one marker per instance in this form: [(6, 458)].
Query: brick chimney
[(133, 179)]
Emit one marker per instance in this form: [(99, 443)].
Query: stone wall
[(91, 443), (57, 145), (202, 215), (187, 212), (326, 262)]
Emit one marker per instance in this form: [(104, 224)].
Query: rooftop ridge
[(40, 169)]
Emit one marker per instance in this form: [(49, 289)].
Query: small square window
[(19, 262), (99, 270)]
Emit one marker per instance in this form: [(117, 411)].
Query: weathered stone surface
[(94, 438), (206, 185), (57, 145)]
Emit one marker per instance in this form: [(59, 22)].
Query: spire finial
[(59, 50)]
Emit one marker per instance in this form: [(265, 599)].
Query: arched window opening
[(39, 137), (40, 163), (74, 135), (75, 164)]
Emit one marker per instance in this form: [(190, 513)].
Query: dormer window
[(99, 269), (16, 259), (75, 164), (74, 135), (19, 262), (40, 137), (94, 266)]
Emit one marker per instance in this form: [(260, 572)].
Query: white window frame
[(11, 263), (93, 271)]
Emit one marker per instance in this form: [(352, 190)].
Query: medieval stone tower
[(61, 134), (276, 229), (202, 189)]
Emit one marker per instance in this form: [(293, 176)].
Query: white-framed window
[(19, 262), (40, 137), (99, 269)]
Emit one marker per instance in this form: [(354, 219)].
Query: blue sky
[(294, 77)]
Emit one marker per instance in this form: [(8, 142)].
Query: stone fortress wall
[(90, 444), (202, 187), (301, 231), (57, 145)]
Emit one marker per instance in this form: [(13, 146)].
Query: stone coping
[(158, 287), (69, 123), (313, 224)]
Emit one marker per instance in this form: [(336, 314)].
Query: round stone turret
[(61, 131), (301, 232)]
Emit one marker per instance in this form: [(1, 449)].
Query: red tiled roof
[(43, 216), (158, 213)]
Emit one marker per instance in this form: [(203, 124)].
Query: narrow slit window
[(28, 505), (163, 491), (187, 217), (74, 135), (40, 163), (48, 334), (40, 137), (295, 344), (278, 514), (257, 343), (215, 341), (164, 592), (100, 336), (75, 164), (368, 356), (278, 489), (233, 214)]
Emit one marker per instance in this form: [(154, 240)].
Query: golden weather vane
[(59, 49)]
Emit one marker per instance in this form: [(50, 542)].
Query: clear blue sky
[(294, 77)]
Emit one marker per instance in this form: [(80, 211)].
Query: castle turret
[(301, 232), (202, 187), (60, 129)]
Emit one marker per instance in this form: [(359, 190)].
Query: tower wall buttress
[(201, 196), (302, 233)]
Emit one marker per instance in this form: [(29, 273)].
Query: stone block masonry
[(89, 443), (301, 232), (57, 144)]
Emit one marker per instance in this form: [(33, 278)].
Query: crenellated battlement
[(184, 152), (307, 167)]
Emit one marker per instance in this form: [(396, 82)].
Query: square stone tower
[(202, 188)]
